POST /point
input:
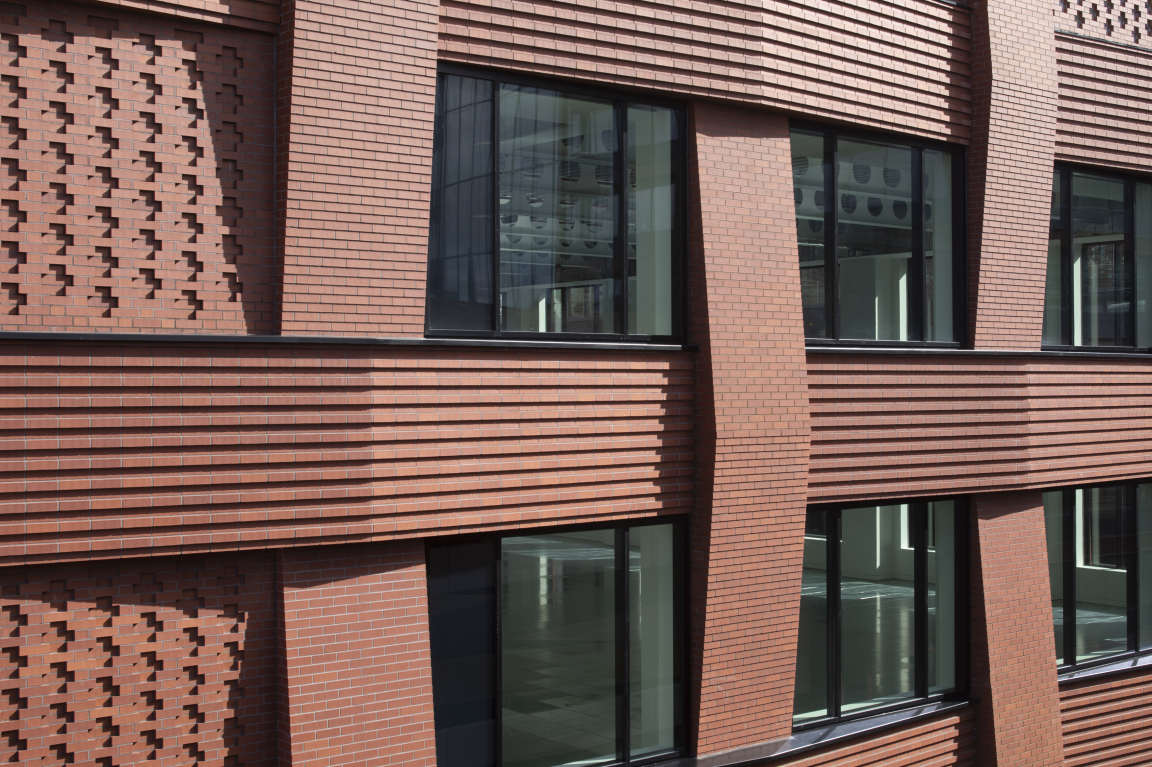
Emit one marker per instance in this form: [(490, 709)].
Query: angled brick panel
[(1107, 722)]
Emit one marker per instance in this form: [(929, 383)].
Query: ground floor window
[(561, 648), (882, 609)]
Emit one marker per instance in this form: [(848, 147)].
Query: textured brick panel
[(751, 428), (1010, 171), (901, 65), (1013, 655), (1123, 22), (949, 741), (134, 449), (904, 426), (120, 663), (357, 99), (1104, 104), (358, 669), (135, 173), (1108, 722), (263, 15)]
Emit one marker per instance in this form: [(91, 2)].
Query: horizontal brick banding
[(943, 742), (139, 449), (1108, 722), (262, 15), (900, 426), (893, 65)]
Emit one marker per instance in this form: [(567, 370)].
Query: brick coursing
[(1106, 722)]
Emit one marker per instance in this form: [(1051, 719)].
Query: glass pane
[(1101, 576), (874, 250), (1053, 295), (938, 244), (557, 212), (941, 588), (651, 202), (808, 191), (1057, 198), (1054, 530), (877, 609), (652, 653), (1144, 565), (558, 649), (1142, 194), (460, 237), (1101, 268), (811, 699)]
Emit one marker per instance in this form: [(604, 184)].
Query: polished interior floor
[(1101, 630)]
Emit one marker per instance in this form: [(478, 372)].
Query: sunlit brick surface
[(1105, 721)]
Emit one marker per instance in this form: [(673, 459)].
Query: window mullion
[(832, 539), (918, 282), (831, 222), (918, 513), (620, 240), (1069, 503), (622, 637), (1066, 300), (496, 294), (1132, 577)]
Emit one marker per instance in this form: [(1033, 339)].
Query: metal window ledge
[(1108, 669)]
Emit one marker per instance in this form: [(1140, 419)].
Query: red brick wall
[(356, 120), (1010, 171), (1105, 722), (135, 184), (1013, 655), (262, 15), (358, 677), (118, 663), (941, 742), (885, 426), (751, 428), (901, 65)]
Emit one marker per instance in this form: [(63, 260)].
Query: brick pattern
[(123, 451), (167, 661), (903, 426), (358, 670), (135, 185), (752, 433), (262, 15), (1114, 20), (1104, 104), (1013, 657), (1106, 722), (1010, 171), (357, 101), (901, 65), (949, 741)]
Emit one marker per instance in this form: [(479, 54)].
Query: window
[(554, 213), (882, 609), (563, 648), (1099, 286), (881, 240), (1100, 566)]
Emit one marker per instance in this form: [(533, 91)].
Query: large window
[(1100, 565), (1099, 285), (880, 229), (554, 212), (563, 648), (882, 609)]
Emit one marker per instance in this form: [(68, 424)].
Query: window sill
[(817, 737), (1107, 669), (953, 351)]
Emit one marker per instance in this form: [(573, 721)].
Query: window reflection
[(808, 192)]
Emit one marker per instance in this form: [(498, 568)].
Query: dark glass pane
[(809, 194), (874, 248), (877, 607), (461, 612), (558, 201), (1101, 573), (652, 650), (1054, 529), (941, 596), (651, 219), (460, 235), (558, 649), (1144, 565), (1057, 198), (811, 698), (1142, 201), (1103, 297), (1054, 294), (938, 245)]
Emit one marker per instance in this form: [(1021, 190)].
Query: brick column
[(752, 427), (354, 107), (357, 678), (1013, 650), (1010, 170)]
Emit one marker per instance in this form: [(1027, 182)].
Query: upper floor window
[(882, 609), (1100, 566), (880, 238), (554, 212), (1099, 285)]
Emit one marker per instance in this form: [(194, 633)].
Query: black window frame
[(959, 154), (1062, 229), (1132, 576), (681, 631), (919, 529), (679, 256)]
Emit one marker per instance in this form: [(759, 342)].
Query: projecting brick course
[(1105, 721)]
